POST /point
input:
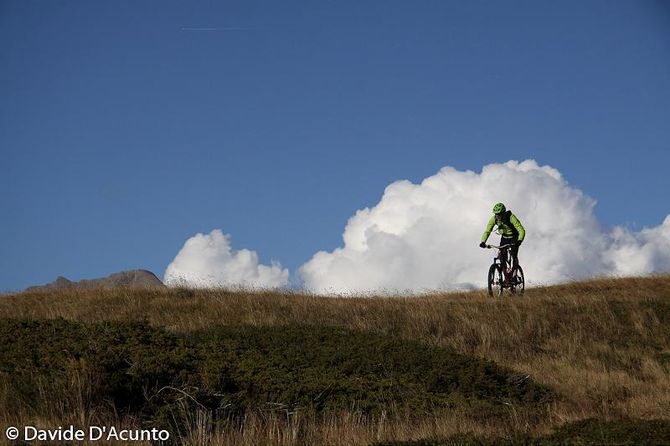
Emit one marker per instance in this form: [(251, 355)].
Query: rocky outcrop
[(138, 278)]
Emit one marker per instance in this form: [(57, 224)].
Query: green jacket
[(509, 227)]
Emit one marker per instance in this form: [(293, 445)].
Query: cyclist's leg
[(514, 252), (503, 252), (503, 257)]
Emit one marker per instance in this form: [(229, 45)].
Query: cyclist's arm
[(489, 228), (519, 227)]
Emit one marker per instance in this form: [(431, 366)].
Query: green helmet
[(499, 208)]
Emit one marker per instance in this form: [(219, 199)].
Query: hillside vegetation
[(578, 361)]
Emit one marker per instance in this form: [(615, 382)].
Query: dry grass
[(603, 345)]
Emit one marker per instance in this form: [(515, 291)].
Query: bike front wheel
[(495, 281)]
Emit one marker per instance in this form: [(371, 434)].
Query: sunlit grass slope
[(225, 367)]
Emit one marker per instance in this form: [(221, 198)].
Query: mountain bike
[(496, 276)]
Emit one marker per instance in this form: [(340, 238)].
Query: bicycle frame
[(505, 271), (508, 258)]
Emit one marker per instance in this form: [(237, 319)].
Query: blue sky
[(126, 127)]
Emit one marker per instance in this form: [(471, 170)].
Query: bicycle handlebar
[(509, 245)]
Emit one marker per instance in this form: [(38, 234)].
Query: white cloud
[(639, 253), (425, 236), (208, 261)]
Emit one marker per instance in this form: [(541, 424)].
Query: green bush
[(123, 362), (150, 373), (332, 368)]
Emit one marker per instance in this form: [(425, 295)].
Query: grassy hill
[(586, 362)]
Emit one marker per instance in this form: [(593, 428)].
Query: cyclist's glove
[(519, 242), (482, 245)]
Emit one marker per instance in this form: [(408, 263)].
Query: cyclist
[(511, 231)]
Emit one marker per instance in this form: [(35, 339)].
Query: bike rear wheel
[(495, 281)]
